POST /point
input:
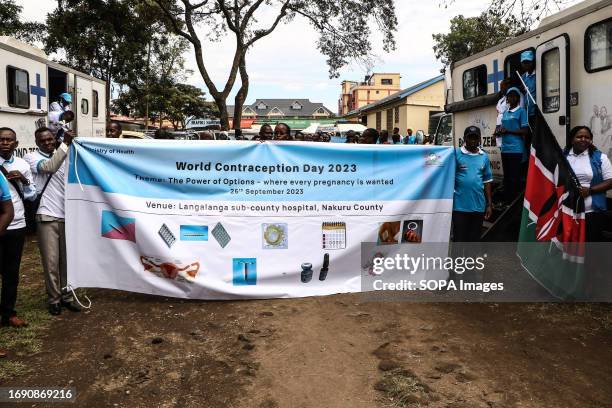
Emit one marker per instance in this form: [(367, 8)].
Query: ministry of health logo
[(432, 159)]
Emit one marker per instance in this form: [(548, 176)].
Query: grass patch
[(403, 388), (31, 307), (11, 369)]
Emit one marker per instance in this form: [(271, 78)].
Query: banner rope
[(76, 168), (76, 298)]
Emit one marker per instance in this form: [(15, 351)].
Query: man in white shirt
[(61, 124), (49, 168), (22, 187), (59, 106)]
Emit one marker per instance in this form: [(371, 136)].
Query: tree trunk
[(242, 93), (223, 116), (107, 101)]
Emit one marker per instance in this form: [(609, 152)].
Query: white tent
[(312, 128), (345, 127)]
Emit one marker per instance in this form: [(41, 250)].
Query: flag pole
[(527, 89), (528, 94), (574, 178)]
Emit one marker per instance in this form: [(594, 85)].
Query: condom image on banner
[(275, 236), (412, 232), (170, 270)]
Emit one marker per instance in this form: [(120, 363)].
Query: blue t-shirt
[(514, 120), (473, 171), (530, 82), (4, 189), (411, 139)]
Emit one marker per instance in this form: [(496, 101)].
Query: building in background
[(374, 88), (297, 113), (409, 108)]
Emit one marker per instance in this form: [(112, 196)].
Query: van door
[(84, 126), (552, 61), (98, 108)]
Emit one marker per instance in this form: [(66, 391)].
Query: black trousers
[(595, 224), (598, 262), (467, 226), (514, 171), (11, 248)]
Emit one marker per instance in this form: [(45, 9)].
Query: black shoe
[(72, 306), (55, 309)]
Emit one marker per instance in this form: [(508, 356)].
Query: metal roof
[(284, 106)]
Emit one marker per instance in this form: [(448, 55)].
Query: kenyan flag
[(551, 241)]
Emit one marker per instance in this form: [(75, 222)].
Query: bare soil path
[(133, 350)]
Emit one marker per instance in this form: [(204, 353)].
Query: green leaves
[(470, 35), (105, 38), (12, 25)]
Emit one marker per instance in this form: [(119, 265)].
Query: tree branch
[(172, 19), (228, 17), (249, 14), (198, 5), (263, 33)]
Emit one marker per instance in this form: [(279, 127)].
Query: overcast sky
[(287, 64)]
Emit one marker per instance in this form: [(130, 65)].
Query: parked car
[(133, 134)]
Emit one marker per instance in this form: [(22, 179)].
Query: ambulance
[(573, 59), (30, 82)]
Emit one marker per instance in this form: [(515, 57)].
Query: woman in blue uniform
[(513, 130)]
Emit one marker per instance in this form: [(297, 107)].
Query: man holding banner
[(48, 166)]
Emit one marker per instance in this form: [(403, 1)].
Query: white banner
[(225, 220)]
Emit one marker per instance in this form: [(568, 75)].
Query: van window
[(598, 46), (18, 84), (444, 134), (84, 106), (96, 103), (551, 80), (512, 64), (475, 82)]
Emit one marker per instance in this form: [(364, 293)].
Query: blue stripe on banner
[(149, 169)]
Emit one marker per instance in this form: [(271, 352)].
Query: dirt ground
[(133, 350)]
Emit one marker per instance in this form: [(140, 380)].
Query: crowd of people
[(516, 122), (32, 187), (32, 200), (282, 131)]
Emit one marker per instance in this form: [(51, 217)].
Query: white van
[(573, 51), (30, 82)]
